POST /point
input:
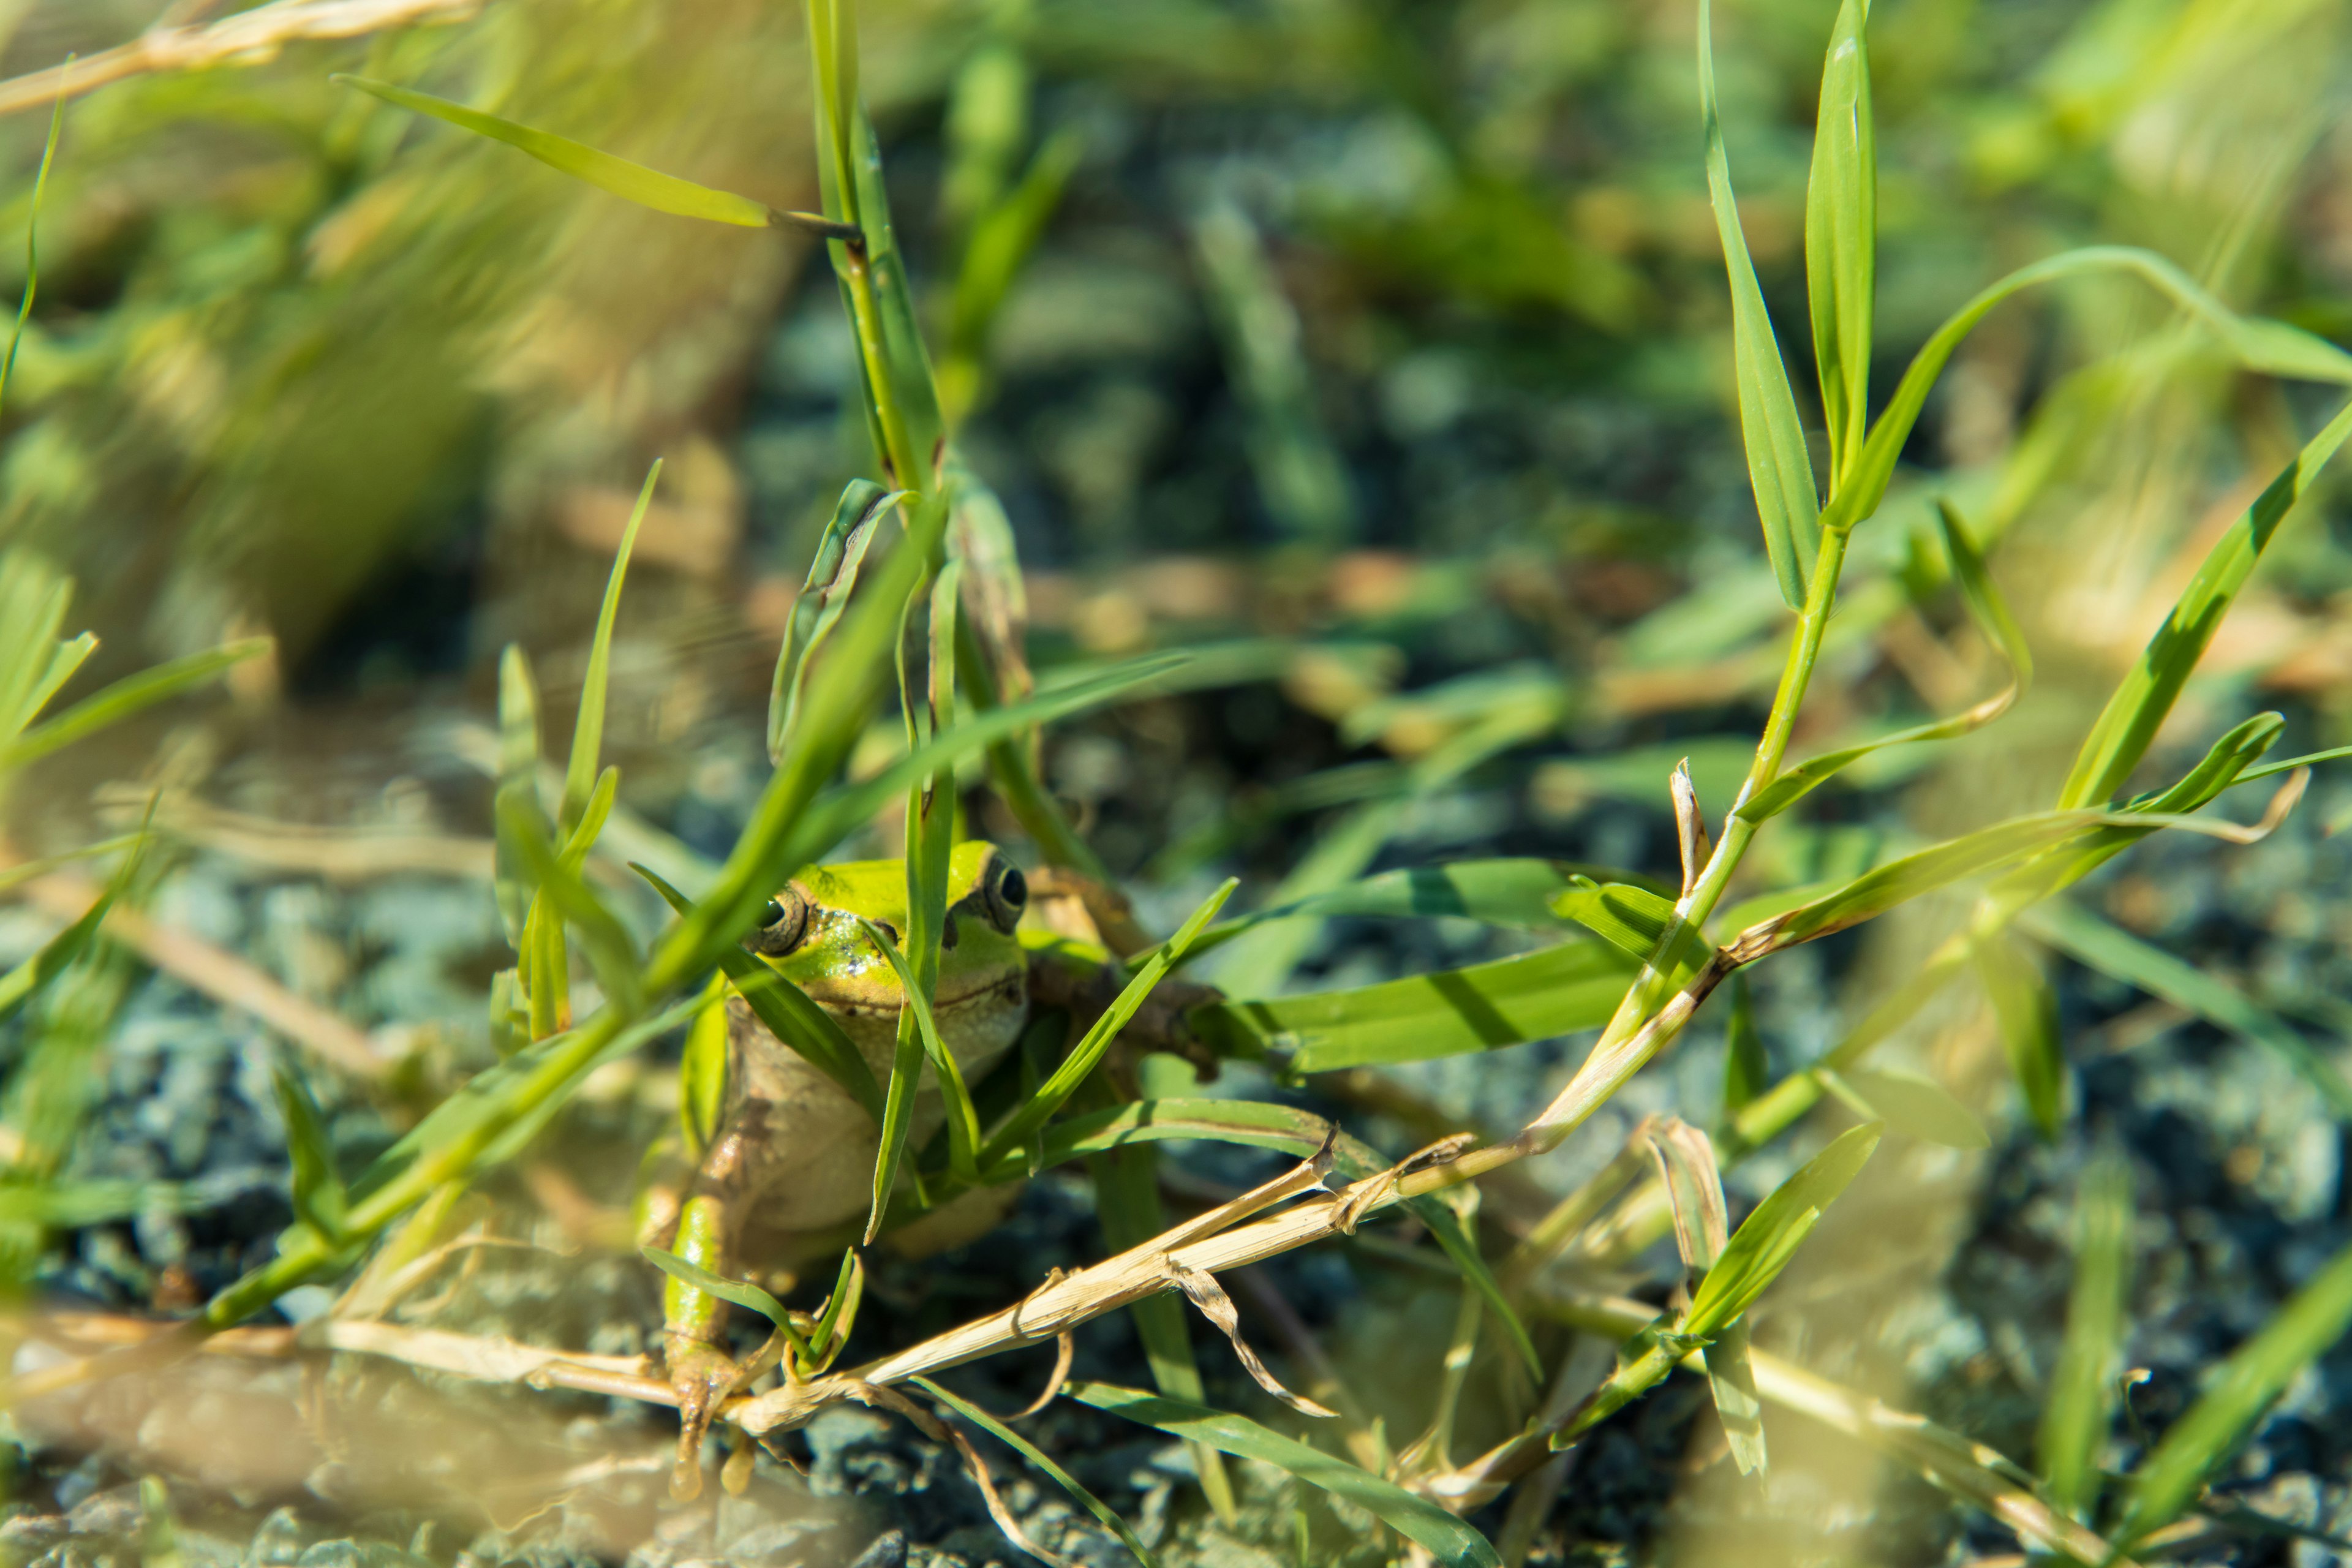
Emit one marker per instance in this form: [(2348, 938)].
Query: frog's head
[(810, 931)]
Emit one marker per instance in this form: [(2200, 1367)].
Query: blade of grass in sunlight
[(32, 237), (1516, 893), (1127, 1208), (2269, 346), (118, 701), (1037, 1456), (963, 1122), (1841, 236), (1992, 618), (614, 176), (1915, 1107), (2027, 1010), (832, 578), (2108, 948), (744, 1294), (1066, 1078), (1779, 467), (2243, 1386), (518, 770), (2145, 697), (588, 730), (1772, 1234), (1575, 985), (320, 1202), (2082, 1397), (1443, 1537)]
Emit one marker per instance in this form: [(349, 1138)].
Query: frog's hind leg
[(701, 1373)]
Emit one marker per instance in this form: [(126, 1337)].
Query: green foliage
[(1445, 1537)]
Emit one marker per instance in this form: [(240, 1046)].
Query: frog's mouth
[(1004, 989)]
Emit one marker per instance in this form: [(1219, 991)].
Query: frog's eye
[(1008, 894), (782, 923)]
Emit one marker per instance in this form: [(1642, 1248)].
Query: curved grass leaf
[(32, 237), (318, 1191), (2027, 1010), (787, 1012), (1841, 236), (1514, 893), (899, 1105), (1037, 1456), (2083, 1384), (1575, 985), (517, 771), (1460, 1243), (2269, 346), (614, 176), (1769, 1236), (832, 578), (2001, 629), (1779, 467), (588, 729), (2314, 1319), (1447, 1539), (611, 949), (1915, 1107), (741, 1292), (127, 696), (1033, 1113), (2113, 950), (2143, 698)]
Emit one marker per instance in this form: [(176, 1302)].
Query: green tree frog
[(787, 1150)]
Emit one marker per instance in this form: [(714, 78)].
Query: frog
[(788, 1152)]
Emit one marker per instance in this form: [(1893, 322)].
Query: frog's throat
[(1012, 985)]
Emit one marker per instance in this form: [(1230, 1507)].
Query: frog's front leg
[(693, 1322)]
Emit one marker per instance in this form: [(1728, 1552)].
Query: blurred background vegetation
[(1382, 346)]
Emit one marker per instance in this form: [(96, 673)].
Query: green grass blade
[(32, 236), (588, 730), (2145, 695), (2314, 1319), (1460, 1243), (1841, 236), (318, 1191), (1746, 1070), (611, 949), (1445, 1538), (517, 771), (1915, 1107), (1992, 617), (2027, 1010), (2115, 952), (1779, 467), (2308, 759), (614, 176), (963, 1121), (1037, 1456), (788, 1013), (832, 578), (118, 701), (839, 1315), (28, 979), (743, 1294), (2269, 346), (1514, 893), (593, 817), (1769, 1237), (2082, 1384), (1576, 985), (1084, 1056), (1126, 1203)]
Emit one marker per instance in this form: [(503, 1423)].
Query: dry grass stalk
[(247, 38)]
